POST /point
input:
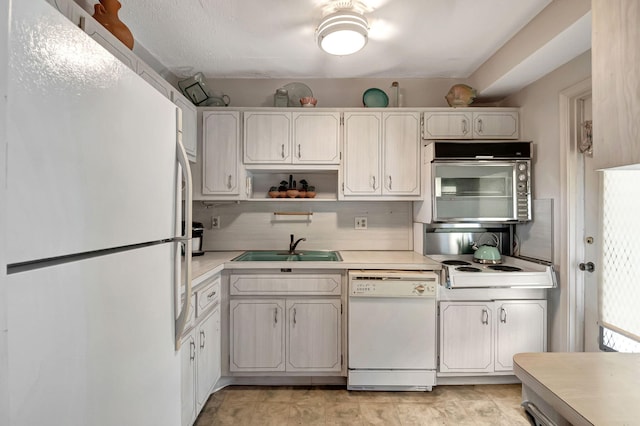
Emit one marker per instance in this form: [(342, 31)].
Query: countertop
[(586, 388), (215, 261)]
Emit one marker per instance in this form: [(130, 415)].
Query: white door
[(316, 138), (257, 335), (361, 165), (188, 379), (92, 342), (314, 334), (501, 125), (220, 153), (447, 125), (590, 238), (208, 358), (522, 327), (91, 156), (466, 337), (401, 153), (267, 137)]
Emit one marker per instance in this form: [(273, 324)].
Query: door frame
[(571, 217)]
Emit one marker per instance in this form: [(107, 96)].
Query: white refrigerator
[(97, 282)]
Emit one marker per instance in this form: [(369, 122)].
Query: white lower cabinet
[(483, 336), (257, 335), (285, 335), (200, 351), (188, 379), (208, 356), (313, 335)]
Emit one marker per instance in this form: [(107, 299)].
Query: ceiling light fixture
[(343, 32)]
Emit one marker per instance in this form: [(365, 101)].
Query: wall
[(343, 93), (616, 85), (252, 225), (539, 118)]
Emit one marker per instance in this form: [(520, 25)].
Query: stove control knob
[(419, 289)]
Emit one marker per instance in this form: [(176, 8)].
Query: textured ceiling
[(275, 38)]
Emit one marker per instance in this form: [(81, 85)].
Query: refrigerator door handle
[(184, 239)]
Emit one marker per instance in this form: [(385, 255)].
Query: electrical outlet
[(215, 222), (361, 222)]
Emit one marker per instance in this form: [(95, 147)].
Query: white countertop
[(215, 261)]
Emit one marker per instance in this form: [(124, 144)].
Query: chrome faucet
[(292, 245)]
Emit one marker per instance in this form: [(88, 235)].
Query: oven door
[(474, 191)]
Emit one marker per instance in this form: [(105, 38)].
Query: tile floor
[(322, 405)]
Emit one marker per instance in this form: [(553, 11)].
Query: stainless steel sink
[(298, 256)]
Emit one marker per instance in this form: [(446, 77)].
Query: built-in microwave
[(481, 181)]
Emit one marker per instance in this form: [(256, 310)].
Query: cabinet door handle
[(464, 126), (192, 351), (275, 315), (82, 23), (294, 316), (389, 181), (485, 316), (503, 315), (479, 125), (202, 339), (229, 182), (299, 152), (210, 295), (374, 182), (282, 151)]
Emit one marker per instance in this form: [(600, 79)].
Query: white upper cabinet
[(498, 125), (382, 155), (267, 137), (471, 124), (362, 139), (401, 153), (189, 124), (447, 125), (272, 137), (221, 154), (316, 137)]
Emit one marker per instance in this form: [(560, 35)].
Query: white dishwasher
[(392, 330)]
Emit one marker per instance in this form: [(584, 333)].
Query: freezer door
[(92, 342), (91, 145)]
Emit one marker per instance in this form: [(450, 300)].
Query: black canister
[(197, 232)]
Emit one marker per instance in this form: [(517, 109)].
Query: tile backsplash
[(331, 226)]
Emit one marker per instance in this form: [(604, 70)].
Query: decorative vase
[(292, 193), (274, 194), (311, 194), (461, 95), (106, 12)]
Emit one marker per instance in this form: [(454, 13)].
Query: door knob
[(589, 267)]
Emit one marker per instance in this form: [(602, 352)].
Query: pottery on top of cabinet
[(106, 12), (461, 95)]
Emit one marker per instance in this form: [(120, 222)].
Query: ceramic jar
[(106, 12)]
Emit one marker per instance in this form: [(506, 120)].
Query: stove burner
[(455, 262), (504, 268), (468, 269)]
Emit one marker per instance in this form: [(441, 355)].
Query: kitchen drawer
[(208, 295), (309, 284)]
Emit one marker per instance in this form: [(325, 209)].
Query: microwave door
[(474, 191)]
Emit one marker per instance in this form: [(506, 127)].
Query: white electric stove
[(460, 272)]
